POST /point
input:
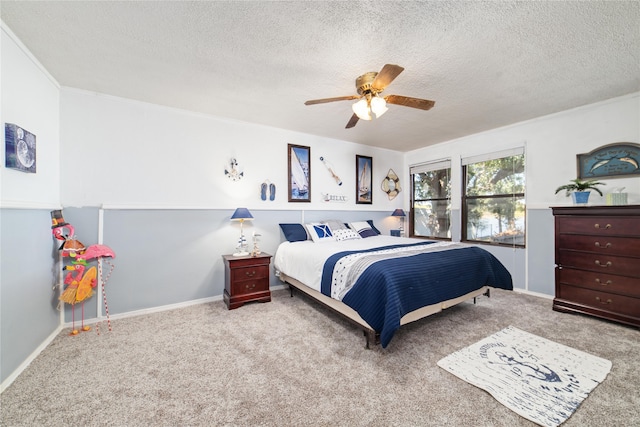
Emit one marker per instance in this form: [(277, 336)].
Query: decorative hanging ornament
[(233, 171), (391, 184), (330, 169)]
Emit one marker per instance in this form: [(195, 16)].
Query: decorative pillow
[(294, 232), (363, 228), (346, 234), (334, 224), (373, 227), (320, 232)]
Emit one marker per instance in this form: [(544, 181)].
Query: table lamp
[(242, 215), (400, 214)]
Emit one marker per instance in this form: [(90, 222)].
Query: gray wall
[(167, 257), (28, 301), (541, 250)]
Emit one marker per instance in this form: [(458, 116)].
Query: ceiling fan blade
[(339, 98), (423, 104), (388, 73), (352, 121)]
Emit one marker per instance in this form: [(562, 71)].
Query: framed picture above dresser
[(597, 256)]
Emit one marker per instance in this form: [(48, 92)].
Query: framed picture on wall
[(621, 159), (299, 162), (363, 179), (20, 148)]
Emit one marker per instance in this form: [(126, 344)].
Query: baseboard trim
[(11, 378), (535, 294)]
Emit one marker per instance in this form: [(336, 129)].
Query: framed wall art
[(299, 165), (610, 161), (20, 148), (363, 179)]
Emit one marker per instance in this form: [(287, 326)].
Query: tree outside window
[(431, 200), (493, 208)]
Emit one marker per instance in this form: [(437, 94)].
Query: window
[(493, 204), (431, 200)]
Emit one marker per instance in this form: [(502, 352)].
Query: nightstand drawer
[(249, 286), (601, 300), (250, 273)]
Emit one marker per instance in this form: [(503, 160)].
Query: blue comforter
[(389, 289)]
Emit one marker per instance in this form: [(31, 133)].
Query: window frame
[(465, 198), (444, 164)]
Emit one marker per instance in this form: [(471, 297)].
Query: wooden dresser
[(597, 258)]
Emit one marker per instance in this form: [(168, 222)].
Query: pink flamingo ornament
[(98, 252), (79, 288)]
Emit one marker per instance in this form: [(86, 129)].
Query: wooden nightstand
[(246, 279)]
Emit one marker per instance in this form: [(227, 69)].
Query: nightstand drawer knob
[(251, 286), (608, 245), (608, 282), (250, 273), (608, 301), (606, 226), (608, 264)]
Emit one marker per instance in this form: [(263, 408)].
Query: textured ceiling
[(486, 64)]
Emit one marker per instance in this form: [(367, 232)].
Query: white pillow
[(335, 224), (363, 228), (320, 232), (346, 234)]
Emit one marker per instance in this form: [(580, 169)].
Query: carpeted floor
[(292, 363)]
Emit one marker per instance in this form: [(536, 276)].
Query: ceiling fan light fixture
[(378, 106), (361, 109)]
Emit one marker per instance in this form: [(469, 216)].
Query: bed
[(382, 282)]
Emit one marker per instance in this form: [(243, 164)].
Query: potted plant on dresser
[(580, 190)]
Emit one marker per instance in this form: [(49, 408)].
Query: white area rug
[(539, 379)]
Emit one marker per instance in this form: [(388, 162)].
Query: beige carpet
[(291, 363)]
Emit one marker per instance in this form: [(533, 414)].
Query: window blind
[(431, 166), (492, 156)]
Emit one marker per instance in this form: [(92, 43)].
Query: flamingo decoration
[(78, 290), (98, 252)]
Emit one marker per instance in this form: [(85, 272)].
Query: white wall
[(122, 152), (30, 99), (552, 143)]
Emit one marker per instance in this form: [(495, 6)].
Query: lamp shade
[(378, 106), (361, 108), (241, 214), (398, 212)]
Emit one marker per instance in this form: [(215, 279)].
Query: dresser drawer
[(620, 304), (600, 244), (629, 286), (599, 262), (599, 226)]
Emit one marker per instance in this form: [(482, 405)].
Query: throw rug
[(538, 379)]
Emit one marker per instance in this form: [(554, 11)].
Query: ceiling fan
[(369, 86)]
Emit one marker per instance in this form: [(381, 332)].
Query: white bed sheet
[(305, 260)]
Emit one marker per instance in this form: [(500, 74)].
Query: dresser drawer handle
[(608, 282), (251, 286), (603, 302), (250, 273), (608, 264), (608, 245), (606, 226)]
